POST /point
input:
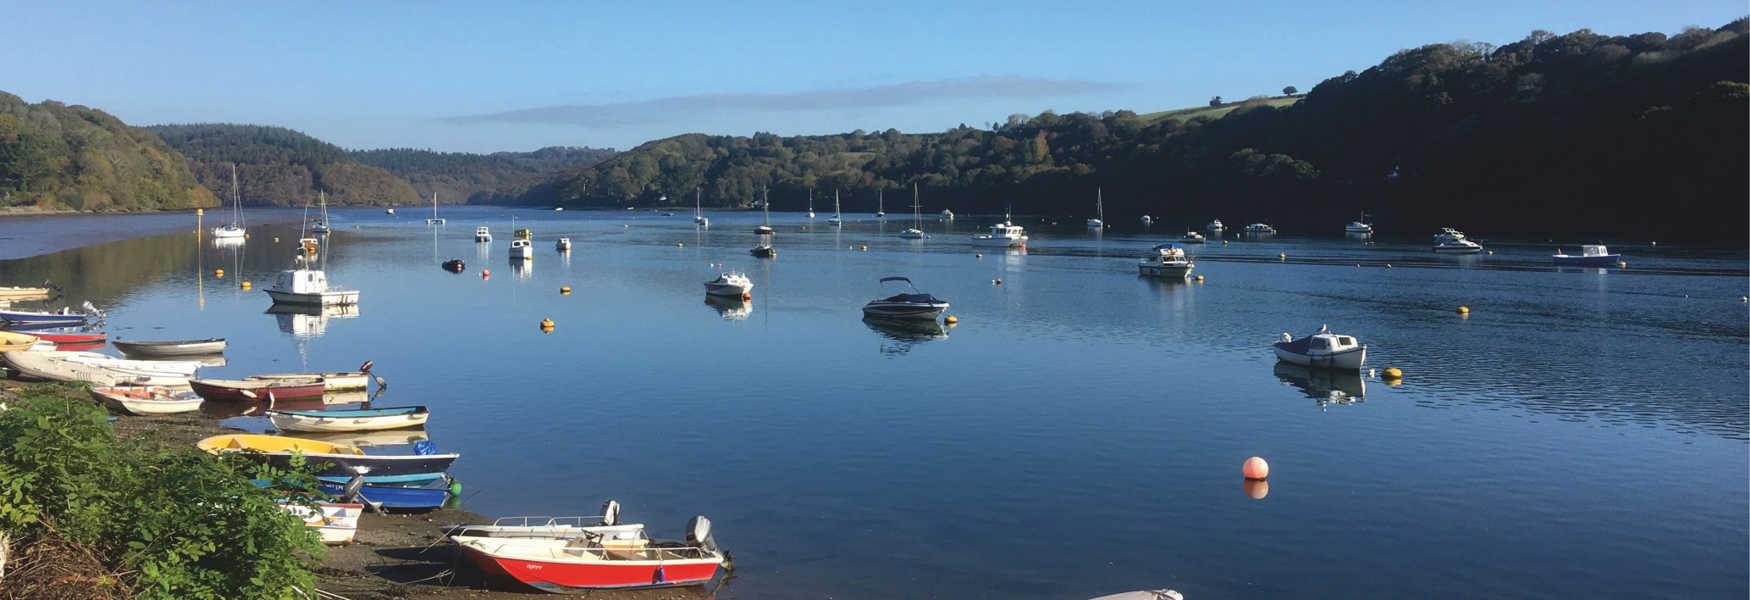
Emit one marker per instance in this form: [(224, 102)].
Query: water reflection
[(898, 336), (371, 439), (730, 308), (309, 321), (522, 269), (1325, 386)]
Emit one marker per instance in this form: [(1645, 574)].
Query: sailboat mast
[(698, 202), (835, 203), (236, 200), (917, 220), (766, 205)]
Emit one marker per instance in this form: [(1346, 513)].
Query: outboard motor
[(351, 492), (699, 531), (611, 512)]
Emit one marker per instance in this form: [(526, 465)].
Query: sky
[(483, 77)]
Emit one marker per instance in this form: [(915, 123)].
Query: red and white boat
[(253, 390), (63, 340), (596, 561)]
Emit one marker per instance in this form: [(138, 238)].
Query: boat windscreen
[(887, 279)]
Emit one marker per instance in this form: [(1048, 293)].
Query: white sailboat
[(838, 218), (916, 231), (434, 220), (1099, 221), (233, 230), (810, 204), (321, 226), (881, 204), (699, 207), (764, 249)]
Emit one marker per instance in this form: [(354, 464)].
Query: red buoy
[(1256, 469)]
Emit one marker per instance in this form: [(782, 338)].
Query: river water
[(1080, 432)]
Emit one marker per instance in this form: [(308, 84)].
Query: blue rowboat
[(397, 498), (43, 319)]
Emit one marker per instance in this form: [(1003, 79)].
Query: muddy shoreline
[(392, 557)]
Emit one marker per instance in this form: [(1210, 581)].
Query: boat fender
[(611, 512), (698, 530)]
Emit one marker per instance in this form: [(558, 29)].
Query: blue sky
[(519, 75)]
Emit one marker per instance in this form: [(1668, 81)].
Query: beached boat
[(595, 562), (333, 382), (14, 342), (256, 389), (65, 317), (729, 283), (1166, 260), (62, 340), (147, 399), (905, 305), (99, 369), (1322, 350), (1591, 255), (153, 349), (16, 294), (1452, 241), (341, 462), (545, 527), (334, 522), (395, 498), (367, 419), (370, 439)]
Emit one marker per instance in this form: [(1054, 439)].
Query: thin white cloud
[(616, 114)]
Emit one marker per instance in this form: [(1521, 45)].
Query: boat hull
[(905, 311), (146, 400), (346, 420), (257, 390), (41, 319), (1604, 260), (1349, 360), (394, 498), (1457, 249), (998, 242), (51, 366), (334, 382), (724, 289), (1168, 271), (339, 298), (184, 348), (561, 577)]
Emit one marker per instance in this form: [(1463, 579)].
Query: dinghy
[(99, 369), (333, 382), (61, 318), (141, 349), (1322, 350), (370, 419), (147, 399), (13, 342), (335, 522), (253, 390), (595, 562), (63, 340), (339, 463), (394, 498)]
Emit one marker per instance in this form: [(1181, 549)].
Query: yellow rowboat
[(10, 341), (272, 444), (335, 462), (23, 293)]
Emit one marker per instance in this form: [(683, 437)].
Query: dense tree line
[(55, 157), (496, 178), (1580, 135), (277, 166)]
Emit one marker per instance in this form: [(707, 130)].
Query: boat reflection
[(226, 409), (898, 336), (1325, 386), (369, 439), (309, 321), (522, 269), (730, 308)]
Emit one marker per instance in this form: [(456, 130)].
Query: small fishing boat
[(147, 399), (334, 522), (1260, 229), (729, 283), (341, 462), (256, 389), (100, 369), (563, 245), (1591, 255), (65, 317), (393, 498), (367, 419), (15, 342), (905, 305), (334, 382), (1002, 235), (158, 349), (1322, 350), (1166, 260), (521, 249), (595, 562), (454, 265), (482, 234), (1215, 227), (1099, 220), (309, 287), (1192, 237), (16, 294), (545, 527), (1452, 241)]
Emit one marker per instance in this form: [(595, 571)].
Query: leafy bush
[(168, 522)]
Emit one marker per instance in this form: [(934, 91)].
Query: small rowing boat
[(396, 498), (74, 339), (147, 399), (334, 382), (369, 419), (593, 561), (65, 317), (337, 462), (250, 390), (151, 349), (13, 342)]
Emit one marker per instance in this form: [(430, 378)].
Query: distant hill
[(277, 166), (1549, 136), (56, 157), (497, 178)]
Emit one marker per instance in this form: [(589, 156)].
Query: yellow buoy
[(246, 285), (1622, 264), (565, 290), (1464, 310), (219, 273), (1199, 279), (1392, 373), (950, 319), (546, 324)]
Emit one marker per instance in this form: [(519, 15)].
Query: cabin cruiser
[(1215, 227), (1591, 255), (904, 305), (1004, 235), (521, 249), (1260, 229), (482, 234), (1359, 226), (308, 287), (912, 233), (1322, 350), (1192, 237), (563, 245), (1452, 241), (1166, 260), (729, 283)]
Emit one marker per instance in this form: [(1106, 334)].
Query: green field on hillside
[(1216, 112)]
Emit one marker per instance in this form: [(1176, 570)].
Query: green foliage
[(282, 167), (1290, 91), (1215, 101), (174, 523), (54, 156), (496, 178)]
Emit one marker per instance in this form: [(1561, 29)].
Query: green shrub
[(171, 522)]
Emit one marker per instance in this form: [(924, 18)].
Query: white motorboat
[(1147, 220), (916, 231), (1452, 241), (1215, 227), (1260, 229), (1003, 235), (563, 245), (1591, 255), (1322, 350), (946, 215), (729, 284), (904, 305), (234, 229), (1192, 237), (837, 218), (1359, 226), (435, 219), (1099, 220), (334, 522), (483, 234), (1166, 261), (521, 249), (308, 287), (148, 399)]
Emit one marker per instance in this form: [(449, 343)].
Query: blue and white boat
[(1322, 350), (430, 496), (1591, 255), (23, 319), (335, 421)]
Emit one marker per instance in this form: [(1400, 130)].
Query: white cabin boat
[(521, 249), (483, 234), (1452, 241), (563, 245), (729, 284), (1260, 229), (1002, 235), (1322, 350), (1192, 237), (1167, 261), (308, 287)]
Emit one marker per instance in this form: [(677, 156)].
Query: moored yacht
[(1591, 255), (1322, 350), (482, 234), (916, 231), (1003, 235), (233, 230), (1192, 237), (1099, 220), (730, 284), (1215, 227), (1452, 241), (563, 245), (1167, 261), (905, 305), (763, 247), (1260, 229), (1359, 226)]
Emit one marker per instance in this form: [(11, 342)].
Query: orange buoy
[(565, 290), (1257, 488), (219, 273), (246, 285), (745, 296), (951, 319), (1256, 469), (486, 273)]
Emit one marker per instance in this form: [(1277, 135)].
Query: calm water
[(1079, 433)]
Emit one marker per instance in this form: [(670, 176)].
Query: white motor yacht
[(1452, 241), (729, 284), (1166, 261)]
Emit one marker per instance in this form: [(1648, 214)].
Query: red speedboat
[(250, 390), (591, 561)]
